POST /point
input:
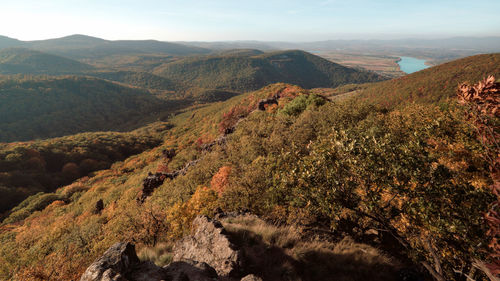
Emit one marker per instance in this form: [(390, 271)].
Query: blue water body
[(410, 65)]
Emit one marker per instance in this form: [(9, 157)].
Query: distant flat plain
[(382, 64)]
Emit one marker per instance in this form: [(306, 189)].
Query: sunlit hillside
[(414, 174)]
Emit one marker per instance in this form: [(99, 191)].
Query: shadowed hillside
[(41, 108), (26, 61)]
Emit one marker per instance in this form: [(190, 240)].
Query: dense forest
[(32, 107), (412, 168)]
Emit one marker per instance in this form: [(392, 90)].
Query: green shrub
[(301, 103)]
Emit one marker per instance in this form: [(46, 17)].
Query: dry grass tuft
[(280, 253), (161, 254)]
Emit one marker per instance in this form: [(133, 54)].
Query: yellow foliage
[(180, 215)]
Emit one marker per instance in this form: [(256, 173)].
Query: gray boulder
[(210, 244), (115, 262), (120, 263)]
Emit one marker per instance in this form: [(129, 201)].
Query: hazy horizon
[(260, 41), (272, 20)]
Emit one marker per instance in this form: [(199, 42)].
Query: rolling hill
[(42, 108), (245, 71), (7, 42), (26, 61), (82, 46)]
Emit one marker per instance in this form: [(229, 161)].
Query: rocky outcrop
[(272, 100), (120, 263), (153, 181), (150, 183), (264, 102), (210, 244), (113, 265), (99, 206), (206, 255)]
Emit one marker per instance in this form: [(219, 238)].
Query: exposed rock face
[(269, 101), (211, 245), (149, 184), (207, 255), (115, 262), (99, 206), (120, 263), (153, 181)]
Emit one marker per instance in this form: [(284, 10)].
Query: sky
[(264, 20)]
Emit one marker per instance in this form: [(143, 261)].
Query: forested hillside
[(49, 107), (407, 176), (249, 71), (44, 165), (143, 80), (26, 61)]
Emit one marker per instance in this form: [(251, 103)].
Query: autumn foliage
[(482, 101), (221, 179)]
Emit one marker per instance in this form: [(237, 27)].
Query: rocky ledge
[(207, 254)]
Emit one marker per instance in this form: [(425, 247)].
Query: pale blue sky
[(272, 20)]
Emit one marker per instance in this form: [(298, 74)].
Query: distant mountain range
[(480, 44), (439, 50), (82, 46)]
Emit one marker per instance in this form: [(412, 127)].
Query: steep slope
[(42, 108), (433, 84), (410, 181), (26, 61), (81, 46), (240, 72)]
